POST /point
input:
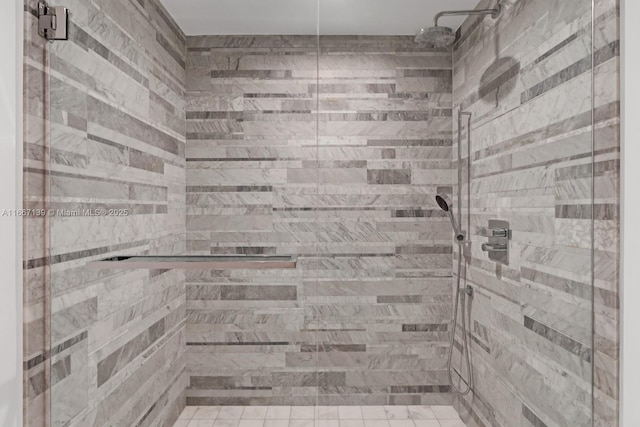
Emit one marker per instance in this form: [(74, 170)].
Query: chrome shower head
[(435, 37)]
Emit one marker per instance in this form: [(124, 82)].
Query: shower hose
[(461, 296)]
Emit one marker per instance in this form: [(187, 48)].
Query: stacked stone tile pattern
[(527, 79), (104, 129), (341, 174)]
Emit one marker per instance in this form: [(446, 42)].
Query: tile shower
[(369, 303), (330, 149)]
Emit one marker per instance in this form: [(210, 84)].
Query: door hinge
[(53, 22)]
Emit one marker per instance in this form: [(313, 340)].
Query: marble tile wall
[(606, 293), (343, 175), (527, 80), (104, 129)]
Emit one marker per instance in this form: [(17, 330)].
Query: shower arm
[(495, 12)]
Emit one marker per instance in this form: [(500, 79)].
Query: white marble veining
[(320, 416)]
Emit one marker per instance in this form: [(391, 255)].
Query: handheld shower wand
[(445, 207), (461, 295)]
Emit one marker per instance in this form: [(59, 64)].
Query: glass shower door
[(166, 144), (324, 138), (526, 142), (385, 152), (116, 187), (503, 117)]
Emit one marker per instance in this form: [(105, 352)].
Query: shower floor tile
[(323, 416)]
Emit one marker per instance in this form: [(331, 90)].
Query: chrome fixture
[(198, 262), (435, 37), (494, 247), (498, 246), (445, 207), (53, 22), (461, 292), (500, 232), (439, 37)]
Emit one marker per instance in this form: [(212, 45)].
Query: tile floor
[(323, 416)]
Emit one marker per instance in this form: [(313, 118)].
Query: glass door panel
[(495, 117), (170, 139)]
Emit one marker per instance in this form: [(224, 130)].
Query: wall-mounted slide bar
[(204, 262)]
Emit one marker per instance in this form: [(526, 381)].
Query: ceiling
[(337, 17)]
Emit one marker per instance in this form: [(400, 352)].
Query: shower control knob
[(500, 232), (494, 247)]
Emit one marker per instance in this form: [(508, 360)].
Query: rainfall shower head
[(435, 37), (445, 207)]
